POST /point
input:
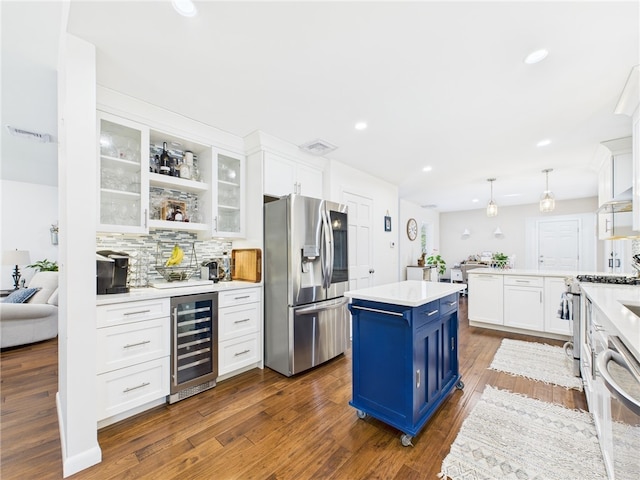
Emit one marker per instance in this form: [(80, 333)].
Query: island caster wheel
[(361, 414), (406, 440), (460, 385)]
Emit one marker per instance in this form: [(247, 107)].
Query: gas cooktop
[(612, 279)]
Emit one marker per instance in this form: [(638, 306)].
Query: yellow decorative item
[(177, 254)]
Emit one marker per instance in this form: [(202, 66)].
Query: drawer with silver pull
[(238, 297), (127, 312), (238, 320), (523, 281), (237, 353), (448, 303), (122, 390), (125, 345)]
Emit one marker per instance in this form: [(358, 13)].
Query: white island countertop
[(410, 293), (523, 272), (621, 322)]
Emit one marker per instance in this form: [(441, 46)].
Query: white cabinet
[(554, 287), (486, 295), (239, 330), (523, 302), (419, 273), (132, 358), (229, 197), (615, 184), (122, 175), (283, 176)]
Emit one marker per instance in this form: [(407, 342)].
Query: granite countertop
[(410, 293), (137, 294), (522, 271), (617, 320)]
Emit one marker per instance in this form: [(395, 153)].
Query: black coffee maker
[(111, 272)]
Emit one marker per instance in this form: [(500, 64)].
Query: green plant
[(499, 260), (44, 266), (439, 262)]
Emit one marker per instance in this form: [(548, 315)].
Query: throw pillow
[(21, 295)]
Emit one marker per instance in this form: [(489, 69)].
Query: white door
[(558, 244), (360, 239)]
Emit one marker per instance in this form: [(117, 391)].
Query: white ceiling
[(439, 83)]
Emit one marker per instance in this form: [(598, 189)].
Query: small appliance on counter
[(112, 269), (209, 271)]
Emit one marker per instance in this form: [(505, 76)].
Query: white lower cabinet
[(239, 329), (523, 302), (486, 295), (132, 357)]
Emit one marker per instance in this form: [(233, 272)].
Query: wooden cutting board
[(246, 264)]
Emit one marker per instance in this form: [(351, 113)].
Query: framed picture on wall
[(387, 223)]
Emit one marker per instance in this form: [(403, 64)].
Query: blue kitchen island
[(405, 351)]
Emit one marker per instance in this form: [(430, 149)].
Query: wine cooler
[(194, 353)]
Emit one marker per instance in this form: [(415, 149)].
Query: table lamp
[(16, 257)]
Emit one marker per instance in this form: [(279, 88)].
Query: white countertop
[(609, 299), (136, 294), (523, 272), (410, 293)]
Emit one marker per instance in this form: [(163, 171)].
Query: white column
[(76, 397)]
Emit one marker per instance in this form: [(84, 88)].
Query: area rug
[(536, 361), (509, 436)]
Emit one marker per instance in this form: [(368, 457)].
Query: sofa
[(35, 319)]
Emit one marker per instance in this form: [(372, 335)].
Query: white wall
[(28, 211), (339, 178), (411, 250), (511, 220)]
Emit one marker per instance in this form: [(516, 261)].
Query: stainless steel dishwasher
[(194, 349)]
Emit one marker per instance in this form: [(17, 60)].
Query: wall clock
[(412, 229)]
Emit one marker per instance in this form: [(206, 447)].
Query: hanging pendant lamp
[(492, 208), (547, 200)]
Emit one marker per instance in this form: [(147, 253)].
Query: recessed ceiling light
[(543, 143), (536, 56), (475, 200), (186, 8), (512, 195), (428, 168), (361, 126)]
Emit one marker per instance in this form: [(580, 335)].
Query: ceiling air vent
[(317, 147)]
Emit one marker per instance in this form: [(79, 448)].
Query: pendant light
[(492, 208), (547, 200)]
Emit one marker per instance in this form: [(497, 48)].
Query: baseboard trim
[(77, 463)]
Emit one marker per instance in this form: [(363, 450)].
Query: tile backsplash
[(143, 251)]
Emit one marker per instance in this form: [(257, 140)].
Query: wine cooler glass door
[(195, 340)]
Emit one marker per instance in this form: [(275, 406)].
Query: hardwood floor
[(258, 425)]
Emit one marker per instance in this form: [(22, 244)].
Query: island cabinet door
[(449, 348), (427, 363)]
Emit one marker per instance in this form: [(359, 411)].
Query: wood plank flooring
[(258, 425)]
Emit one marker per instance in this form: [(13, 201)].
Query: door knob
[(371, 270)]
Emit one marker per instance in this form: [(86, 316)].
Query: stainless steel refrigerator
[(305, 276)]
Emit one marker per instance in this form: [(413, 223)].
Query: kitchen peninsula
[(405, 351)]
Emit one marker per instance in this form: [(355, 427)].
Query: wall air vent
[(318, 147), (37, 137)]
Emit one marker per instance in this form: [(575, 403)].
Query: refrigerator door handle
[(327, 257), (323, 306)]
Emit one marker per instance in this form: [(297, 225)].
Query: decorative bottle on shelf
[(226, 266), (165, 160)]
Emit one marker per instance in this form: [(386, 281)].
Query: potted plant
[(439, 262), (44, 266), (500, 260)]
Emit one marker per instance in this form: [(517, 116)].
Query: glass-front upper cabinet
[(123, 178), (229, 208)]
